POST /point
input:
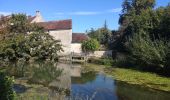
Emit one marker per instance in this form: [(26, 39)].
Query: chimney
[(38, 13), (38, 18)]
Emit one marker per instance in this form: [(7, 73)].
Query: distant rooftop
[(79, 37)]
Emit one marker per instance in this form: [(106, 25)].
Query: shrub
[(90, 45), (147, 52), (6, 83)]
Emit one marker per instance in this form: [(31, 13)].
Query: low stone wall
[(100, 54), (76, 48)]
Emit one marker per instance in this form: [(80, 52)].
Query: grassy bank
[(145, 79)]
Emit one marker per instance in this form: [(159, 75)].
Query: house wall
[(65, 36), (76, 48)]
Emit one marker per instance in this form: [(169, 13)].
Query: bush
[(90, 45), (6, 83), (37, 45), (147, 52)]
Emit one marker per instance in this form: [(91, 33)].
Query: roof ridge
[(56, 21)]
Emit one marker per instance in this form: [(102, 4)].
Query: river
[(67, 81)]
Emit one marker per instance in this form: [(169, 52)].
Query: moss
[(92, 67), (145, 79), (101, 61)]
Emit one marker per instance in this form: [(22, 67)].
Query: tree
[(43, 46), (18, 23), (144, 34), (90, 45), (131, 10), (148, 53), (36, 45), (18, 44), (102, 35)]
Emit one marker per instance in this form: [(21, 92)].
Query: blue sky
[(85, 14)]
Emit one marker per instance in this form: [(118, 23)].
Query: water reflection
[(85, 78), (64, 81), (94, 86), (44, 73), (134, 92)]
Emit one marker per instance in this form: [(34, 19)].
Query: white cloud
[(115, 10), (5, 13), (86, 13)]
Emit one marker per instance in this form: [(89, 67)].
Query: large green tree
[(144, 33), (19, 44)]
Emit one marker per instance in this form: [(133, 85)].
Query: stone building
[(60, 30)]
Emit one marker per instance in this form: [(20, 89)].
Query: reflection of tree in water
[(133, 92), (85, 77), (36, 72), (44, 73), (17, 69)]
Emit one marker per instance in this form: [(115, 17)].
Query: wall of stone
[(65, 36), (100, 54), (76, 47)]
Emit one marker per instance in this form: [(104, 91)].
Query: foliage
[(103, 35), (18, 44), (39, 45), (6, 83), (12, 49), (90, 45), (148, 52), (144, 34), (43, 46), (101, 61), (18, 23)]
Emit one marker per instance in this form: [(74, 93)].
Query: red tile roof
[(30, 18), (79, 37), (56, 25)]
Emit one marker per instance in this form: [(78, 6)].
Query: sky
[(85, 14)]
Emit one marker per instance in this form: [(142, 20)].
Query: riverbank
[(144, 79)]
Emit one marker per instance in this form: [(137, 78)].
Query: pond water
[(51, 81)]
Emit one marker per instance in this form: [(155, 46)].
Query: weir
[(74, 57)]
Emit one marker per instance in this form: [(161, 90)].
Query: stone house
[(60, 30)]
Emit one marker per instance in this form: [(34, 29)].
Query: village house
[(61, 30)]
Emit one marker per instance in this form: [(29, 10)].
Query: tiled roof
[(30, 18), (56, 25), (79, 37)]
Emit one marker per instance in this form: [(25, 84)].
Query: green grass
[(145, 79), (88, 67), (101, 61)]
